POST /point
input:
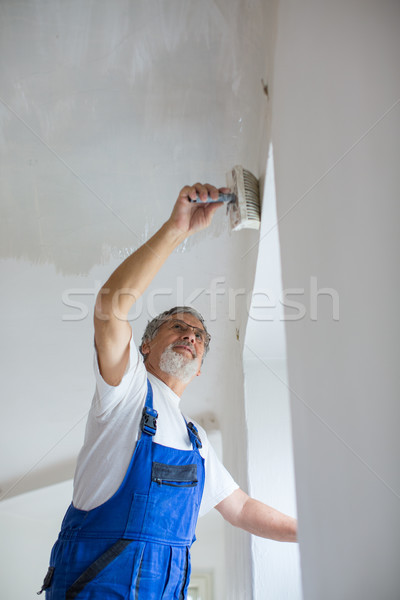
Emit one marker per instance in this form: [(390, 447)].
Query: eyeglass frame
[(207, 336)]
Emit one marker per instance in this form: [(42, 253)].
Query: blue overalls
[(136, 544)]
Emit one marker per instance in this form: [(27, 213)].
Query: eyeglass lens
[(185, 326)]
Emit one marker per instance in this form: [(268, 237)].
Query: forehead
[(188, 318)]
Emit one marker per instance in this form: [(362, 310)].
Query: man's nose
[(189, 335)]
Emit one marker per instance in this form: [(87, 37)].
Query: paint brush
[(243, 203)]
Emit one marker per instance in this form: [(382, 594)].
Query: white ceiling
[(107, 109)]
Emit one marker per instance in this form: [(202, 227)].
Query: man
[(144, 473)]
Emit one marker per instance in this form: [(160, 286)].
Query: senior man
[(144, 472)]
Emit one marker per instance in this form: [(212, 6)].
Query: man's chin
[(184, 353), (179, 363)]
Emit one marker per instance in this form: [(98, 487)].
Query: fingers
[(203, 191), (189, 191)]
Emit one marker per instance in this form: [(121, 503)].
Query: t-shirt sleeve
[(107, 396), (219, 483)]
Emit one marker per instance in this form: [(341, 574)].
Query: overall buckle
[(195, 432), (148, 423)]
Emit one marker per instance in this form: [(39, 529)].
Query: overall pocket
[(172, 506), (174, 475)]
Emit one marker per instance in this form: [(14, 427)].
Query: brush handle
[(222, 198)]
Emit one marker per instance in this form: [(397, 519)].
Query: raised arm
[(257, 518), (128, 282)]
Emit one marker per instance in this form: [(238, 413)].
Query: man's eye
[(177, 326), (199, 336)]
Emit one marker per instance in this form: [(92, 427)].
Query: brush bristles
[(245, 212), (252, 195)]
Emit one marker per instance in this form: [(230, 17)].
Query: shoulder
[(131, 389)]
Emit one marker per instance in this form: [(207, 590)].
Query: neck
[(174, 383)]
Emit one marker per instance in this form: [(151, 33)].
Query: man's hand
[(188, 217)]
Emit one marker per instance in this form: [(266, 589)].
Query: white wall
[(29, 526), (208, 552), (335, 129), (276, 568)]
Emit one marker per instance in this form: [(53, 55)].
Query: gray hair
[(153, 326)]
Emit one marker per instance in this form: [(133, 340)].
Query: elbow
[(232, 507), (115, 304)]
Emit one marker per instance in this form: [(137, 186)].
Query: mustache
[(188, 345)]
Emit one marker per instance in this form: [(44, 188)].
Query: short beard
[(177, 365)]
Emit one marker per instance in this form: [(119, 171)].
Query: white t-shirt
[(112, 431)]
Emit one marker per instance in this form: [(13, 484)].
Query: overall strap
[(194, 435), (148, 424)]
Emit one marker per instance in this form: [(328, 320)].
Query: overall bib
[(136, 544)]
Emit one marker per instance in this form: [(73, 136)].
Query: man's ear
[(145, 348)]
